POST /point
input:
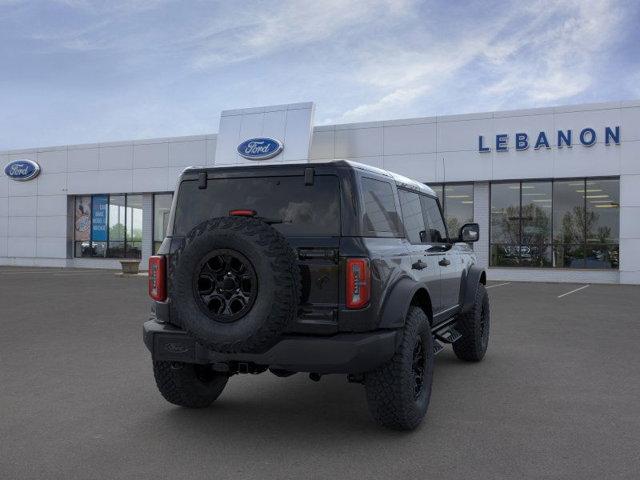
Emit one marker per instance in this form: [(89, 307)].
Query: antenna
[(444, 171)]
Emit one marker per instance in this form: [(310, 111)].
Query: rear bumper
[(342, 353)]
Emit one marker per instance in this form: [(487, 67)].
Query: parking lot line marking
[(573, 291), (498, 285)]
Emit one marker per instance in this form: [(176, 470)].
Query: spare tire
[(235, 284)]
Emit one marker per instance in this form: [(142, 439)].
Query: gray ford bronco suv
[(322, 268)]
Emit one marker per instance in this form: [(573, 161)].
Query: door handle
[(419, 265), (444, 262)]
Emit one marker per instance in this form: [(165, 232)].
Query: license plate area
[(174, 348)]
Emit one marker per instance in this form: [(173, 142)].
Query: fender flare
[(397, 302), (474, 277)]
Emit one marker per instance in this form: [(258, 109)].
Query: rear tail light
[(158, 278), (358, 282), (242, 213)]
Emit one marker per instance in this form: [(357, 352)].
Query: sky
[(77, 71)]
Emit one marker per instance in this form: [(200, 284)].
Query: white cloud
[(406, 76), (554, 63), (543, 52), (158, 68), (120, 6), (255, 33), (397, 98)]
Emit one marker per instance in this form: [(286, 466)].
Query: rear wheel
[(474, 326), (187, 384), (398, 392)]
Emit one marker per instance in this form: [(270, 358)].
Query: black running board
[(445, 335), (449, 335)]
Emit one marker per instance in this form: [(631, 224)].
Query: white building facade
[(556, 191)]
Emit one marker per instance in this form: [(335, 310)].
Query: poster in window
[(99, 218), (83, 219)]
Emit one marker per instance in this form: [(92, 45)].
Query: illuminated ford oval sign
[(260, 148), (22, 170)]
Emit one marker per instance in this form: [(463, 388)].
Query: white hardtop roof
[(401, 180)]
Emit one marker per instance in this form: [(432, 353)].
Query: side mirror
[(469, 233)]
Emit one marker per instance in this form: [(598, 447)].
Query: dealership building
[(556, 190)]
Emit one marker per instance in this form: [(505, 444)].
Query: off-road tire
[(390, 388), (187, 384), (474, 326), (278, 284)]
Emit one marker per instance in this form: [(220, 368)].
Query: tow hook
[(315, 377)]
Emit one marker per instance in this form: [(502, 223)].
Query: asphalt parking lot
[(558, 396)]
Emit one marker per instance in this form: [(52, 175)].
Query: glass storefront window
[(161, 210), (536, 200), (505, 224), (99, 225), (134, 226), (569, 223), (82, 226), (603, 223), (117, 219), (564, 224), (568, 212), (108, 226), (603, 211)]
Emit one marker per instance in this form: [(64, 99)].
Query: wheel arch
[(474, 277), (404, 294), (422, 299)]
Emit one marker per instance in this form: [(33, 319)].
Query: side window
[(380, 215), (412, 216), (436, 231)]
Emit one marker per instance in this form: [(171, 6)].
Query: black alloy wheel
[(225, 285)]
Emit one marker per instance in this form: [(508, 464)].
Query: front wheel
[(187, 384), (474, 327), (398, 392)]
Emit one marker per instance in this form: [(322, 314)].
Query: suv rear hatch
[(303, 206)]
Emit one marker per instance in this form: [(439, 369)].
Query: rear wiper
[(270, 221)]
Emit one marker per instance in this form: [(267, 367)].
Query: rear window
[(380, 214), (303, 210)]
